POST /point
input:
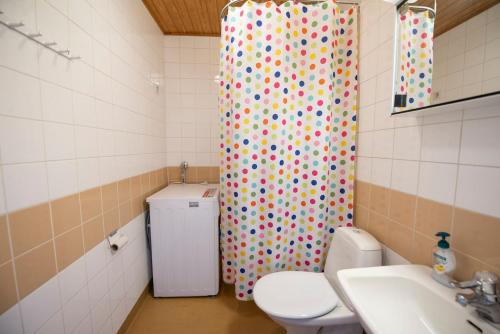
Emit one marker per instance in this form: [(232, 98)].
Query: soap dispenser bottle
[(444, 260)]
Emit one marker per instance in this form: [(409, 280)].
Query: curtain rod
[(232, 2)]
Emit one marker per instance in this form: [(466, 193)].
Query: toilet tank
[(351, 248)]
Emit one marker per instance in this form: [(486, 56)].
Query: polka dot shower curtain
[(416, 58), (287, 103)]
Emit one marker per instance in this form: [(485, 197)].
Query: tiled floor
[(222, 314)]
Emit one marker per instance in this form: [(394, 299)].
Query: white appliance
[(185, 240)]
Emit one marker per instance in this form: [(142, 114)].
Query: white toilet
[(305, 302)]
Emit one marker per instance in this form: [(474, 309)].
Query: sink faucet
[(484, 297)]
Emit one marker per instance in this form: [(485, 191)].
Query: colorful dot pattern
[(416, 41), (288, 101)]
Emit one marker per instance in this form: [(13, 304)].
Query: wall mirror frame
[(434, 46)]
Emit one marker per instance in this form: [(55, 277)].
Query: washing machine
[(184, 228)]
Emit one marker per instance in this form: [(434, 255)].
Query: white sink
[(405, 299)]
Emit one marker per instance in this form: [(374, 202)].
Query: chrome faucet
[(184, 166), (484, 297)]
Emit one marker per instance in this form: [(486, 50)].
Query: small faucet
[(484, 296), (184, 166)]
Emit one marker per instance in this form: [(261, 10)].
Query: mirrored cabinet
[(446, 52)]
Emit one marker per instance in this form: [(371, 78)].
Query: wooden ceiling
[(187, 17), (451, 13), (201, 17), (190, 17)]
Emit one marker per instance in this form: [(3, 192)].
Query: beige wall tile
[(203, 174), (378, 226), (30, 227), (192, 175), (145, 183), (65, 213), (125, 212), (135, 186), (111, 221), (379, 199), (4, 241), (8, 294), (362, 193), (109, 196), (137, 207), (90, 201), (123, 190), (399, 238), (402, 208), (361, 217), (174, 174), (432, 217), (467, 266), (35, 268), (214, 175), (93, 233), (477, 235), (153, 180), (162, 177), (69, 247), (422, 247)]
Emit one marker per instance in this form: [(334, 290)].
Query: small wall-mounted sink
[(405, 299)]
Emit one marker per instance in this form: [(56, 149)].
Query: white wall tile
[(86, 142), (405, 176), (62, 178), (95, 260), (57, 103), (40, 305), (10, 320), (481, 142), (75, 101), (84, 110), (54, 325), (440, 142), (478, 189), (407, 143), (21, 140), (59, 141), (85, 326), (31, 176), (437, 182), (20, 94), (16, 54), (381, 172), (363, 169), (72, 279), (100, 313), (383, 143), (76, 309), (88, 173)]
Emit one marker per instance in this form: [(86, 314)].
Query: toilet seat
[(295, 295)]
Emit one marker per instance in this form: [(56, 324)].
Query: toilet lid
[(295, 295)]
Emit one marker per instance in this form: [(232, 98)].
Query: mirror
[(446, 51)]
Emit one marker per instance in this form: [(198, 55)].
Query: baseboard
[(133, 312)]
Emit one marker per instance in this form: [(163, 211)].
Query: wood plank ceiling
[(451, 13), (201, 17), (187, 17)]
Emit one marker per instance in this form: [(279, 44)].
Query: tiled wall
[(419, 175), (467, 58), (72, 134), (192, 130)]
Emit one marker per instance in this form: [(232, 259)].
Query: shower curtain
[(287, 102), (416, 33)]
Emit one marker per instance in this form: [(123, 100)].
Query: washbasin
[(405, 299)]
